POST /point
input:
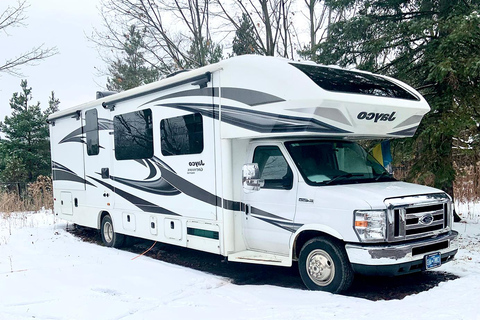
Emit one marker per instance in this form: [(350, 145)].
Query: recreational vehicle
[(255, 159)]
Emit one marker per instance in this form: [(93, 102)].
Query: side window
[(273, 167), (133, 135), (91, 130), (182, 135)]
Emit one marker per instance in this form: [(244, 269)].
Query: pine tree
[(53, 104), (25, 153), (202, 53), (130, 71), (244, 41)]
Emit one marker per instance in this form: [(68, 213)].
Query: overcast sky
[(71, 73)]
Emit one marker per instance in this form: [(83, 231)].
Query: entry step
[(260, 258)]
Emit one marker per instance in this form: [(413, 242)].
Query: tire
[(324, 265), (109, 237)]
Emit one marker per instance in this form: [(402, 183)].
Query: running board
[(260, 258)]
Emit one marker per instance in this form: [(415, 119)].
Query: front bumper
[(396, 259)]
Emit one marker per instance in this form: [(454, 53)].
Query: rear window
[(339, 80)]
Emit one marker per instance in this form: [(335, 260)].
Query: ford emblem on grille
[(426, 219)]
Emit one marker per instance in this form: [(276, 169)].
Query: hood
[(373, 194)]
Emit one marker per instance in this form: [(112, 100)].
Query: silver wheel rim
[(320, 267), (108, 231)]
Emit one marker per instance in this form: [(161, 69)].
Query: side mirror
[(251, 178)]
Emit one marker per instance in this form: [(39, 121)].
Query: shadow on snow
[(367, 287)]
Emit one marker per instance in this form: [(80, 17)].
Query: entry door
[(270, 212), (98, 150)]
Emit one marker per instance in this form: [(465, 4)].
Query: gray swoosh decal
[(258, 121), (246, 96), (406, 132)]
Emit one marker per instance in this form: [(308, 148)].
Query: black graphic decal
[(189, 188), (159, 186), (137, 201), (287, 225), (74, 136), (61, 172), (258, 212), (77, 134)]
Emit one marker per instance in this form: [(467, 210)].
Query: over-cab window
[(182, 135), (273, 167), (91, 131), (133, 135)]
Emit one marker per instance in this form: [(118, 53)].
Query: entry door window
[(91, 130), (273, 167)]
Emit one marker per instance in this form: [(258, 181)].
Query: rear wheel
[(324, 265), (109, 237)]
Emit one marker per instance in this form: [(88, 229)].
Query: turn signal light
[(362, 224)]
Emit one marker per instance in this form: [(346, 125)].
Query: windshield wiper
[(343, 176), (383, 174)]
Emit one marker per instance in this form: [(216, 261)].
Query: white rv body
[(200, 128)]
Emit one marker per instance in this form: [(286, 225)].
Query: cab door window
[(274, 169)]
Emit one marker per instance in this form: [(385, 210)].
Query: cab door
[(270, 211)]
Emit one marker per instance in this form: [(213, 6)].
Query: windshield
[(335, 162)]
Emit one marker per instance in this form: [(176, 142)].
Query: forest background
[(432, 45)]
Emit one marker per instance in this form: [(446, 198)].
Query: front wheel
[(324, 265), (109, 237)]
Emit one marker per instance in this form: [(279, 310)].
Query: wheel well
[(305, 236), (102, 214)]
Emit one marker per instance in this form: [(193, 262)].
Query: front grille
[(409, 219)]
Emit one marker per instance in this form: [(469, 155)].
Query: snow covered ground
[(47, 273)]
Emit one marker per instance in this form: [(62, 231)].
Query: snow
[(47, 273)]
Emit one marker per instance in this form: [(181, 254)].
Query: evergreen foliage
[(25, 151), (245, 40), (432, 45), (203, 52), (130, 71)]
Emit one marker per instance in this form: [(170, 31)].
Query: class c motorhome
[(255, 159)]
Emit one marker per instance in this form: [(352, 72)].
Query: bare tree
[(320, 17), (176, 33), (270, 20), (14, 16)]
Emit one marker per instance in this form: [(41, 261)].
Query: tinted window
[(182, 135), (133, 135), (91, 130), (273, 168), (340, 80)]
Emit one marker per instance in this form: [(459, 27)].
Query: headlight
[(370, 225)]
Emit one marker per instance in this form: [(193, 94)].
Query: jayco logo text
[(376, 116), (196, 163)]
